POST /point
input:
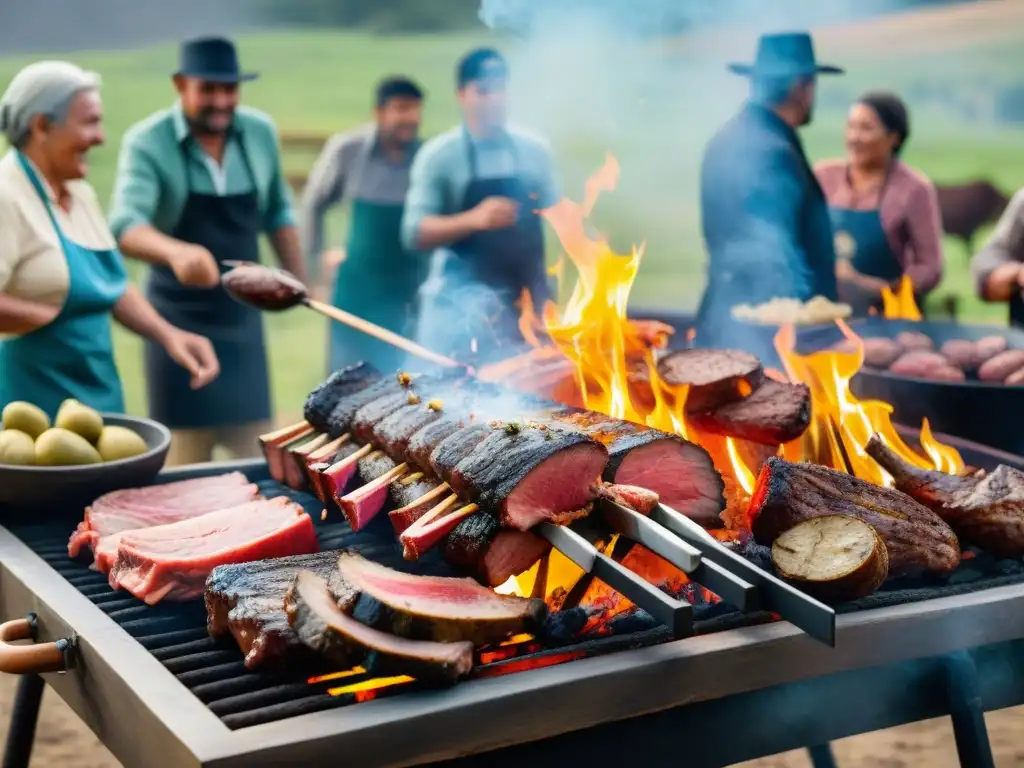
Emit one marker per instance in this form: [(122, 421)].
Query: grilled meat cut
[(275, 446), (773, 413), (835, 558), (246, 600), (436, 607), (492, 554), (321, 401), (323, 627), (986, 510), (681, 473), (130, 509), (714, 376), (787, 494), (172, 561)]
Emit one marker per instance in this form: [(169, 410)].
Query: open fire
[(588, 353)]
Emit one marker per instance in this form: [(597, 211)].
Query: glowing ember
[(900, 305)]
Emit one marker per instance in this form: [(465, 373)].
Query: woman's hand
[(195, 354), (846, 273)]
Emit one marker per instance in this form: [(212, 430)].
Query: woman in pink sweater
[(885, 214)]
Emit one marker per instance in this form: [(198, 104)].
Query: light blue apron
[(73, 356)]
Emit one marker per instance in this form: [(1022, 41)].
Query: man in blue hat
[(473, 201), (765, 220), (196, 186)]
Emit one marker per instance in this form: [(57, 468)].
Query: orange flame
[(900, 305), (613, 370)]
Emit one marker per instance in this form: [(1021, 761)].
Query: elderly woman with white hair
[(61, 275)]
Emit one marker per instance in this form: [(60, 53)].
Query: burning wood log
[(835, 559), (986, 510), (787, 494)]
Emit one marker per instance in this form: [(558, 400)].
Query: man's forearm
[(19, 316), (146, 243), (437, 231), (135, 313), (288, 248)]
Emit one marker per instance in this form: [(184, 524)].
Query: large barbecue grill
[(158, 691)]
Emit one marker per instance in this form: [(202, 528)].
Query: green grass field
[(323, 82)]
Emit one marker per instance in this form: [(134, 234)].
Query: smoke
[(612, 75)]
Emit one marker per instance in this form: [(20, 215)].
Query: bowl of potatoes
[(78, 456)]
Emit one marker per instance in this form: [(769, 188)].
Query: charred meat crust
[(503, 459), (714, 376), (787, 494), (467, 543), (246, 600), (342, 383), (321, 626), (774, 413), (986, 510)]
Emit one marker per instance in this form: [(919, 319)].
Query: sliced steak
[(455, 448), (424, 441), (531, 475), (775, 413), (436, 607), (680, 472), (396, 430), (173, 561), (130, 509), (320, 625), (714, 376), (246, 600)]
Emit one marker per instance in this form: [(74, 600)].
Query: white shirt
[(32, 263)]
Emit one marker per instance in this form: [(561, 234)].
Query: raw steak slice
[(172, 561)]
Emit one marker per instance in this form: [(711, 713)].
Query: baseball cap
[(481, 64)]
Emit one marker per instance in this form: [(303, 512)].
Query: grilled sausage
[(990, 346), (919, 364), (880, 352), (1002, 365), (1015, 379), (914, 341), (961, 353)]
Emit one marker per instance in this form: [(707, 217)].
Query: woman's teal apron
[(378, 281), (73, 356)]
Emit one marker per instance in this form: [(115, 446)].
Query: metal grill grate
[(213, 669)]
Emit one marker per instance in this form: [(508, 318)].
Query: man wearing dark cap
[(377, 278), (196, 186), (473, 202), (766, 223)]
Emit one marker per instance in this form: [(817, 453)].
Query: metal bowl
[(987, 413), (40, 488)]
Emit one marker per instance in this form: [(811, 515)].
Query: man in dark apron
[(197, 185), (765, 220), (474, 199), (377, 278)]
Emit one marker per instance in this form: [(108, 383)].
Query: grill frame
[(121, 690)]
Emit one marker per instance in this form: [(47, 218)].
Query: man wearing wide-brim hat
[(197, 185), (766, 223)]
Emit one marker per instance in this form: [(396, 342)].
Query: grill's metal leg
[(24, 716), (821, 756), (966, 711)]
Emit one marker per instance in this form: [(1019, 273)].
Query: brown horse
[(966, 208)]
